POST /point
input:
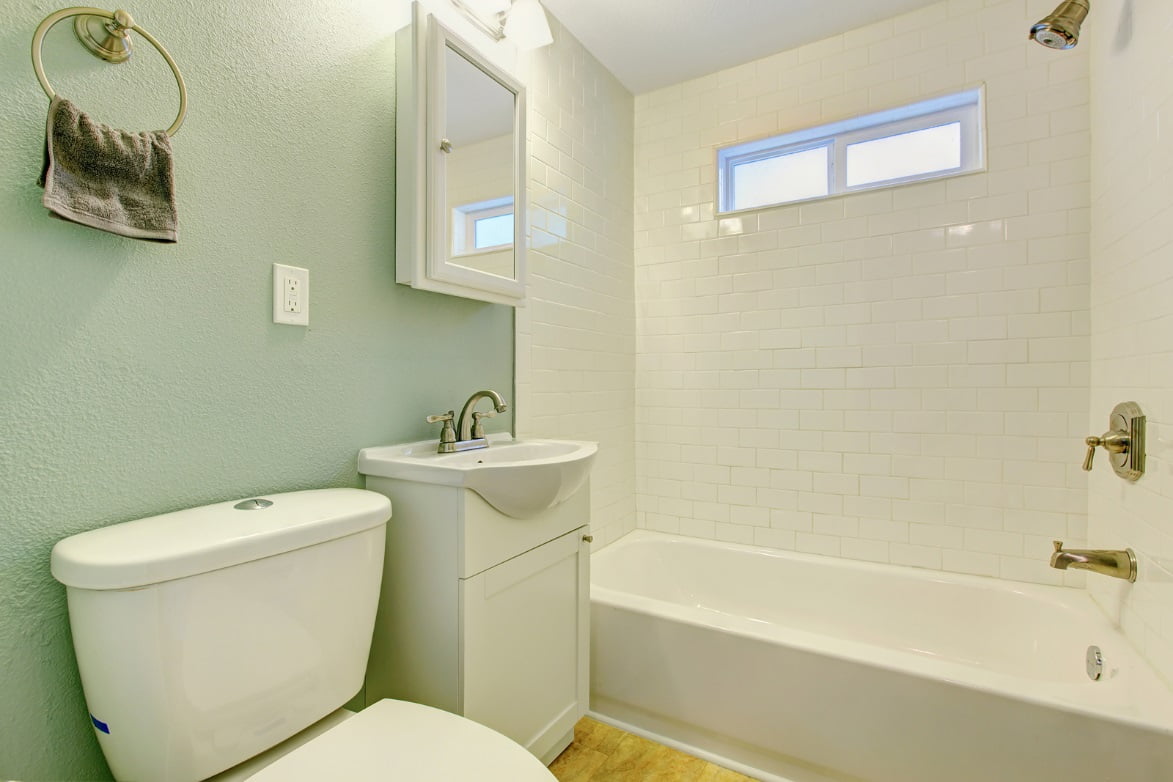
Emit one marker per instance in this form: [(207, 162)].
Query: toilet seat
[(398, 741)]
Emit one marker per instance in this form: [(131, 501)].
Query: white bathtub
[(809, 668)]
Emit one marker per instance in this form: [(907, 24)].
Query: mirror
[(460, 168), (479, 168)]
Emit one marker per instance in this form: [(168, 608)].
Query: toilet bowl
[(394, 741), (220, 643)]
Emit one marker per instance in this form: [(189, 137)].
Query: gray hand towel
[(107, 178)]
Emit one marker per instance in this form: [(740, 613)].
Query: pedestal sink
[(520, 478)]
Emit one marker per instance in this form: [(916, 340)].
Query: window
[(791, 176), (484, 226), (926, 140)]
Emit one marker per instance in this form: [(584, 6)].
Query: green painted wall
[(137, 378)]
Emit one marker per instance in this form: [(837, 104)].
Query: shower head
[(1060, 30)]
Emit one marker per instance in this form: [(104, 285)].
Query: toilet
[(220, 643)]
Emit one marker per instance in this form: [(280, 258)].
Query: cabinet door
[(526, 637)]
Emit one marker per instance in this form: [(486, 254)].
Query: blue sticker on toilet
[(99, 724)]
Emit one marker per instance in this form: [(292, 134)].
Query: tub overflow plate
[(1095, 663)]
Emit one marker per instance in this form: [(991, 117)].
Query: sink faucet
[(472, 431), (470, 426), (1118, 564)]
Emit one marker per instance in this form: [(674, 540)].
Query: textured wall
[(1132, 306), (576, 336), (898, 375), (139, 378)]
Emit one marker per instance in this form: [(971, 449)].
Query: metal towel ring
[(65, 13)]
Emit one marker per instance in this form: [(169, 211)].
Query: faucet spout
[(1118, 564), (469, 426)]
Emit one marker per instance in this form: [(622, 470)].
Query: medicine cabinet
[(460, 167)]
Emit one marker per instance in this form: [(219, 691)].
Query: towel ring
[(121, 21)]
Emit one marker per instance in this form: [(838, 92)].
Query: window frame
[(464, 221), (966, 106)]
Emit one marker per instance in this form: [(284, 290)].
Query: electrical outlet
[(291, 295)]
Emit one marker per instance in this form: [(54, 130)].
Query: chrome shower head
[(1060, 30)]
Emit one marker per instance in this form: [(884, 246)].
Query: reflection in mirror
[(479, 168)]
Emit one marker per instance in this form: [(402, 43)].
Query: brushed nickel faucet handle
[(1124, 441), (478, 429), (1114, 441), (448, 433), (1092, 442)]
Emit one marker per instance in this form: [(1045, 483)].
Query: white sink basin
[(520, 478)]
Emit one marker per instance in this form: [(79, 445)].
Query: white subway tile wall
[(899, 375), (576, 332), (1132, 306)]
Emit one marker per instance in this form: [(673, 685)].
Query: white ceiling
[(477, 106), (650, 44)]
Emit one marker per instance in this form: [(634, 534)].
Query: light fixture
[(526, 25), (523, 21)]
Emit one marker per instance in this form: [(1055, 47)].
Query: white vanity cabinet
[(485, 615)]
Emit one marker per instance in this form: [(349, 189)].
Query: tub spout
[(1118, 564)]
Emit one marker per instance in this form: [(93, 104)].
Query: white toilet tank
[(208, 635)]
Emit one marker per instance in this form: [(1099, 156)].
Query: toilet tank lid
[(199, 540)]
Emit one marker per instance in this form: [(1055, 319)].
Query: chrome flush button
[(253, 504)]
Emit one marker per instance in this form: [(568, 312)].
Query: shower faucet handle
[(1092, 442), (1124, 441), (1113, 442)]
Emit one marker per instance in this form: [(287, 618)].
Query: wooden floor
[(601, 753)]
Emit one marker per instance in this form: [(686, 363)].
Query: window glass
[(905, 154), (493, 231), (482, 226), (789, 177)]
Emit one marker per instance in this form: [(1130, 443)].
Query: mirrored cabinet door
[(460, 168), (479, 169)]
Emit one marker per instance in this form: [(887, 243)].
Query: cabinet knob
[(589, 538)]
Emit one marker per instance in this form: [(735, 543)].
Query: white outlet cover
[(296, 295)]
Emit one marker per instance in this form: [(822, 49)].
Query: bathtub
[(808, 669)]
